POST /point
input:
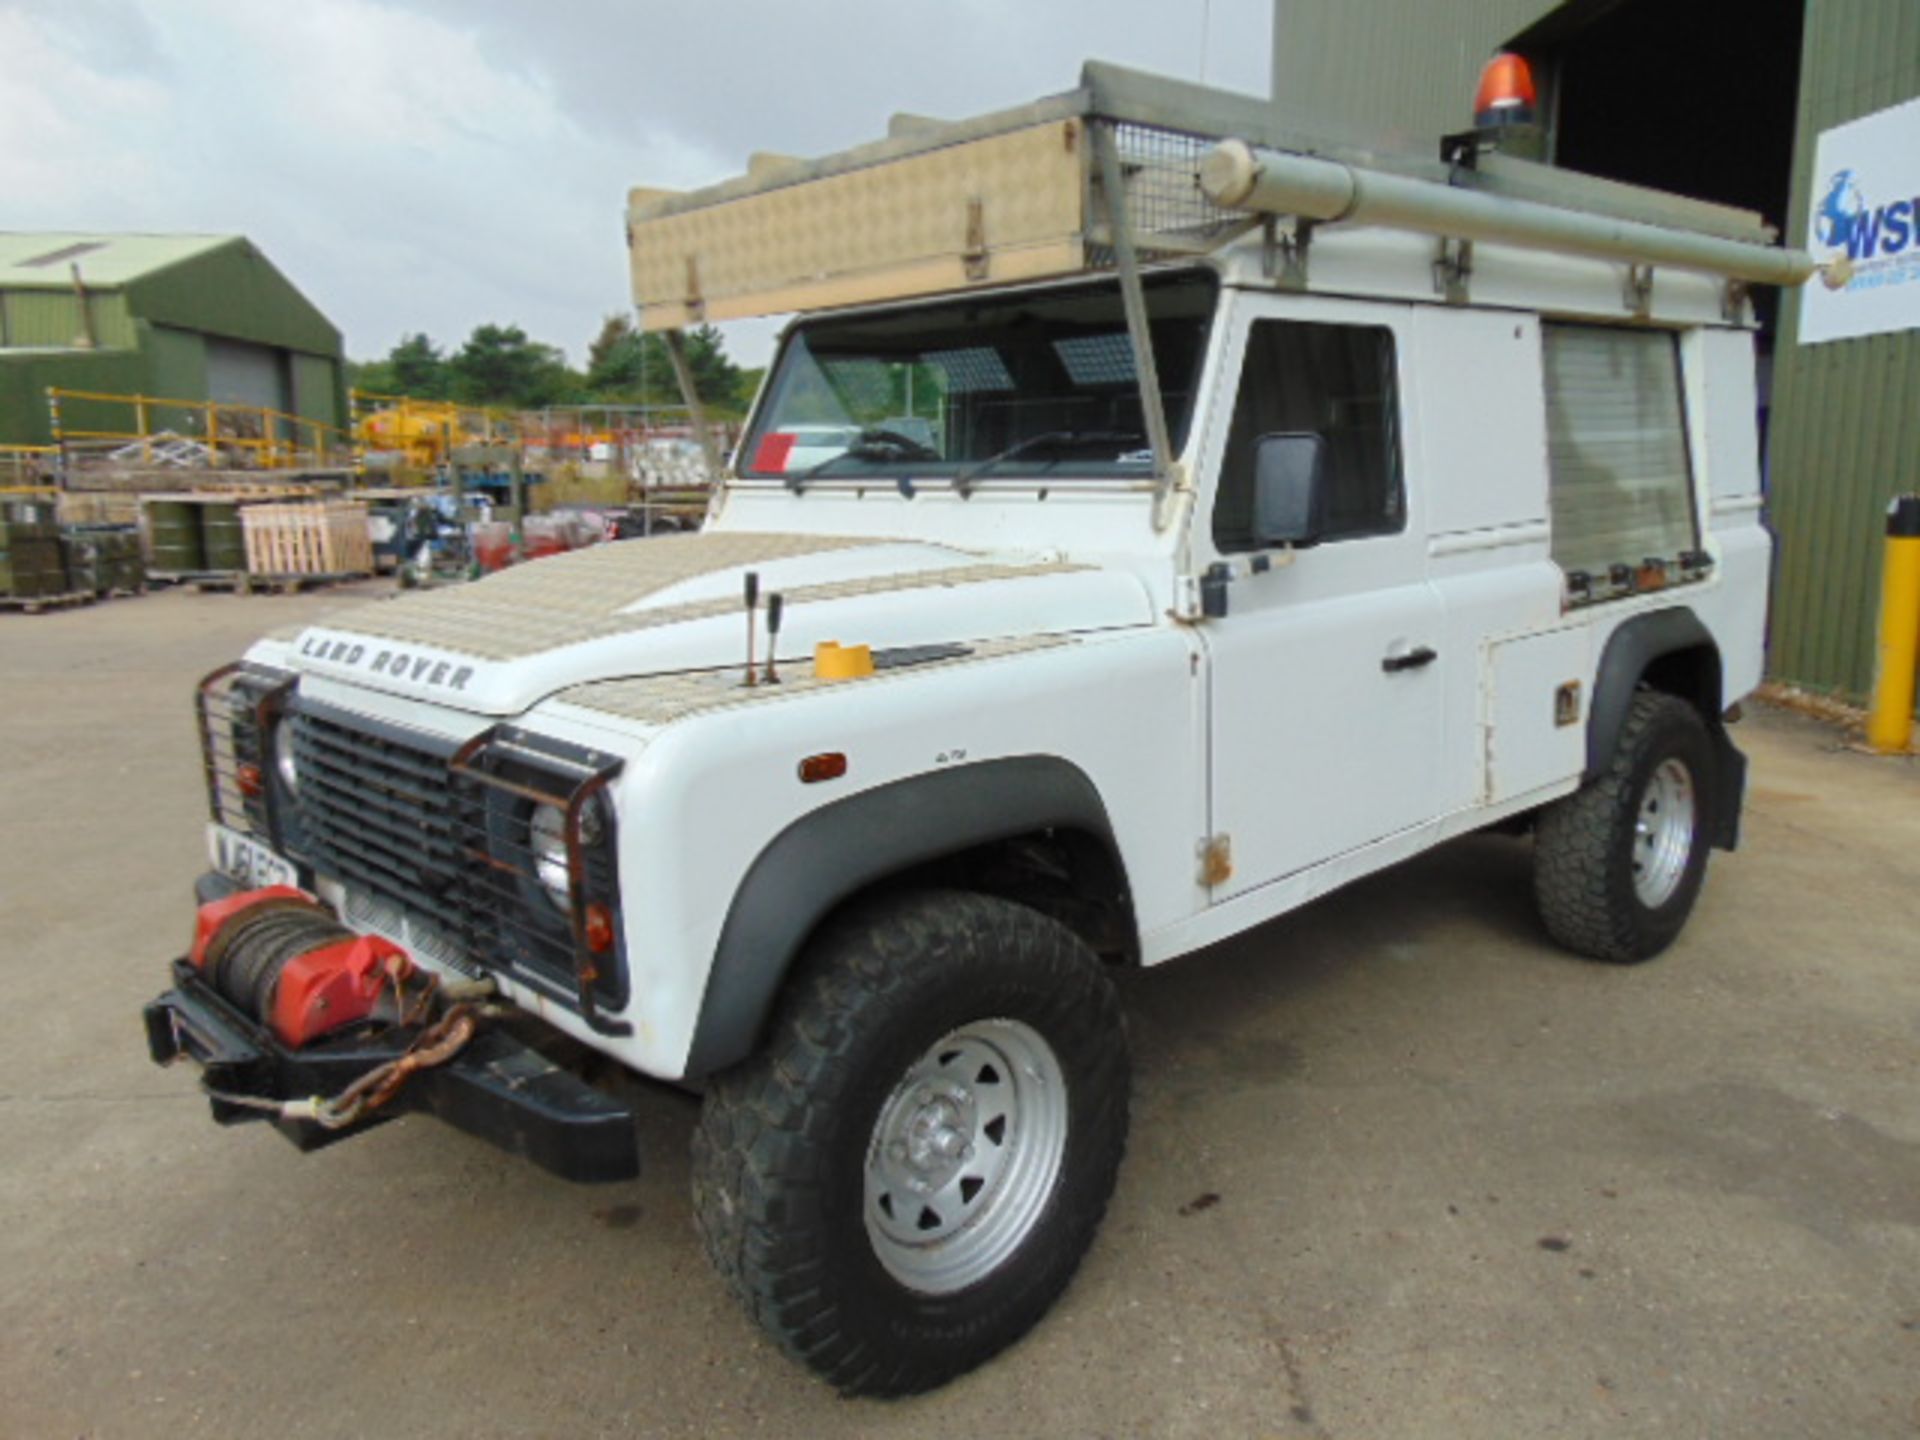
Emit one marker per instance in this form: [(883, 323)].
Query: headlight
[(547, 840), (283, 761)]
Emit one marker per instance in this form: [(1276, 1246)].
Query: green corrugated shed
[(1393, 73), (143, 314), (1846, 414)]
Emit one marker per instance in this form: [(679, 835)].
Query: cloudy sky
[(434, 164)]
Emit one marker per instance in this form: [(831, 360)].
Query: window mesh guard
[(1168, 212)]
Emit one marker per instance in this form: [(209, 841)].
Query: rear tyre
[(1618, 864), (904, 1179)]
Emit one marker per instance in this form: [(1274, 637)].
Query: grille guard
[(510, 762)]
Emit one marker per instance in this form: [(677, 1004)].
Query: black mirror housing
[(1290, 488)]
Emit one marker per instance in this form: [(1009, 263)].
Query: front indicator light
[(598, 928), (247, 775)]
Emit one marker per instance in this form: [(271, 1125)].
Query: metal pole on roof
[(683, 372), (1133, 296), (1240, 176)]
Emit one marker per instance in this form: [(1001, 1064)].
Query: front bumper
[(498, 1087)]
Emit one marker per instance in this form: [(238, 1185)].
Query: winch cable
[(435, 1045)]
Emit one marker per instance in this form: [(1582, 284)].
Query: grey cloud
[(113, 36), (805, 77)]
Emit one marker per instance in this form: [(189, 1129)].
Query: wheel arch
[(1673, 652), (925, 824)]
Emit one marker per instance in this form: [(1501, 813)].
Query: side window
[(1620, 490), (1333, 380)]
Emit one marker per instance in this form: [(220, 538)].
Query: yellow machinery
[(419, 433)]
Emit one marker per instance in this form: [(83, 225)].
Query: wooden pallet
[(307, 538), (294, 584), (224, 581), (34, 604)]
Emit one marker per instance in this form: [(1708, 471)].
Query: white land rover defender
[(1146, 532)]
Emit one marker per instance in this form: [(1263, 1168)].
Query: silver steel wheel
[(1663, 833), (964, 1156)]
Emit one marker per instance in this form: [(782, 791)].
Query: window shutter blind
[(1620, 490)]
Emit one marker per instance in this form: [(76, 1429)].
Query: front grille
[(433, 847), (378, 812)]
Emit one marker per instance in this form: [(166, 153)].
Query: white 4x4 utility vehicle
[(1140, 534)]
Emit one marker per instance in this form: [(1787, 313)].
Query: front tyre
[(905, 1177), (1618, 864)]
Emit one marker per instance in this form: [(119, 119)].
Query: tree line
[(502, 365)]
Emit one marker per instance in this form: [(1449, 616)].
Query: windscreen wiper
[(963, 482), (876, 442)]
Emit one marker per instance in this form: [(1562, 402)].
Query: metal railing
[(26, 468), (161, 432)]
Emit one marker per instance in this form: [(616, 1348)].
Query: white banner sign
[(1865, 227)]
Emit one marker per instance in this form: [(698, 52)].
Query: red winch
[(282, 958)]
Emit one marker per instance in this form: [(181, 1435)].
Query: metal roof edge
[(61, 278)]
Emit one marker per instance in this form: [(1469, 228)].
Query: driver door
[(1326, 673)]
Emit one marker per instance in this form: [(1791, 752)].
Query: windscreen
[(1012, 385)]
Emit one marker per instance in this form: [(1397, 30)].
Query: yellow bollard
[(1890, 722)]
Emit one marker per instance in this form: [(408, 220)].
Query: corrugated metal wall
[(30, 318), (316, 388), (25, 376), (1382, 71), (1846, 428)]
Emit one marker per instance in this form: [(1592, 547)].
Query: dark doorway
[(1696, 97)]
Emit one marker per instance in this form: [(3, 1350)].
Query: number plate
[(241, 857)]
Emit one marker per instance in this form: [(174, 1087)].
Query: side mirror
[(1289, 488)]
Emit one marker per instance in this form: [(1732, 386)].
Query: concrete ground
[(1399, 1168)]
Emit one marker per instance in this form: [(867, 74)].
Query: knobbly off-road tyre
[(1618, 864), (914, 1022)]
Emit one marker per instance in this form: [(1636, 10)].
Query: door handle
[(1412, 660)]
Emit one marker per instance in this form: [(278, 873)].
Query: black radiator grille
[(378, 812)]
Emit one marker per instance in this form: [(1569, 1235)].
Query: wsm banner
[(1865, 228)]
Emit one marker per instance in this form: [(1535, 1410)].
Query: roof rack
[(1018, 195)]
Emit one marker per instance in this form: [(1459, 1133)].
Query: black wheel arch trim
[(1630, 652), (831, 854)]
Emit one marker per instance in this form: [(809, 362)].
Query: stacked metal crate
[(31, 562), (104, 559)]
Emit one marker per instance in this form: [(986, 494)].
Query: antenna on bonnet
[(753, 604), (774, 606)]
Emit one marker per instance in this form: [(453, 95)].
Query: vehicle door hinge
[(1213, 590), (1186, 599), (1216, 859)]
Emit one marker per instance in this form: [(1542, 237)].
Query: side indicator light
[(599, 928), (815, 768)]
